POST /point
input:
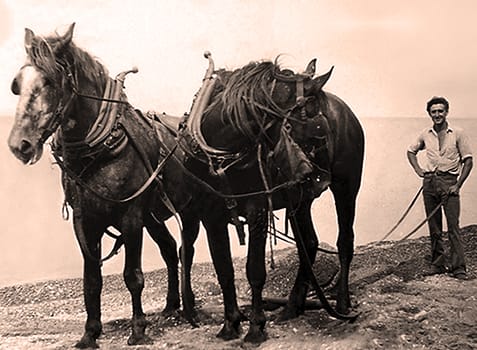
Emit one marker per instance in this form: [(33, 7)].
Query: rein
[(54, 122), (136, 194), (423, 221), (91, 97), (403, 215), (97, 133), (115, 99), (406, 212), (101, 133)]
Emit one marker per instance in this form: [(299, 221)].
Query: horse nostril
[(25, 147)]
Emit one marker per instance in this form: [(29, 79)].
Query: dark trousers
[(435, 190)]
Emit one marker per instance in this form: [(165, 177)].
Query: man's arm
[(468, 164), (412, 157)]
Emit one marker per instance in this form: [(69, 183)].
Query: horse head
[(46, 86), (294, 91), (254, 100)]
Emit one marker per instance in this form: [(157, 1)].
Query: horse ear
[(65, 39), (320, 81), (29, 35), (68, 36), (311, 68)]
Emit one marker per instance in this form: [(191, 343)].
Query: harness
[(294, 164), (106, 138)]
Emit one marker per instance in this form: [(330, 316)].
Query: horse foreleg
[(219, 246), (134, 279), (190, 231), (307, 244), (256, 273), (168, 248), (345, 202), (92, 282)]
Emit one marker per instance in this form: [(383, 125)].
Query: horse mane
[(68, 59), (249, 98), (245, 93)]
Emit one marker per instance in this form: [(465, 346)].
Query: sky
[(389, 56)]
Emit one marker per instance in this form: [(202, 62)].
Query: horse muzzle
[(27, 151)]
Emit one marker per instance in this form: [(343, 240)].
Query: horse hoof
[(169, 312), (191, 315), (140, 340), (255, 336), (171, 309), (193, 320), (228, 333), (343, 309), (87, 343), (286, 315)]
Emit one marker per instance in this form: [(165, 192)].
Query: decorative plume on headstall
[(247, 94), (55, 60)]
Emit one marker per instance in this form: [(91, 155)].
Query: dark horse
[(264, 140), (110, 160)]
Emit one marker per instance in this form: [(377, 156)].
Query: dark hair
[(437, 100)]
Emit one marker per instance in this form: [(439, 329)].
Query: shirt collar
[(449, 129)]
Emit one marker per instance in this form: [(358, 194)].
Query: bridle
[(53, 123), (71, 80), (300, 98)]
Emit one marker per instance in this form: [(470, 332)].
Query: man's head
[(438, 108), (437, 100)]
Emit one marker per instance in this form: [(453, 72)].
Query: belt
[(439, 173)]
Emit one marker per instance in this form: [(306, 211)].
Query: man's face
[(438, 113)]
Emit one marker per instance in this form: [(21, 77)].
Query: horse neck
[(219, 132)]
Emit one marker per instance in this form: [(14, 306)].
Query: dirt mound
[(401, 305)]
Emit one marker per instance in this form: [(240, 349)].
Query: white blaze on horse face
[(31, 116), (32, 105)]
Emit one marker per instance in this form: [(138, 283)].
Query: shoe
[(460, 276)]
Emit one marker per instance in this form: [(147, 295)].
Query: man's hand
[(454, 190)]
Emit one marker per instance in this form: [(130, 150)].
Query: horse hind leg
[(345, 202), (134, 278), (219, 246), (256, 274), (307, 244), (190, 231), (168, 248)]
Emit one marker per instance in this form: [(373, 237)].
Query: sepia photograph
[(266, 174)]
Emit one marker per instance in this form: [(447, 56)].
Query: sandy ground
[(401, 305)]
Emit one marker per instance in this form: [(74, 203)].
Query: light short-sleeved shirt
[(456, 147)]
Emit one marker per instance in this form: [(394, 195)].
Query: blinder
[(301, 101)]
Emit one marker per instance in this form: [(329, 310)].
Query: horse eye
[(15, 87), (47, 82)]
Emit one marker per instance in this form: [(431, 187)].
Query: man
[(449, 162)]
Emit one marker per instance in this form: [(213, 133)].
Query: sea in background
[(37, 244)]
